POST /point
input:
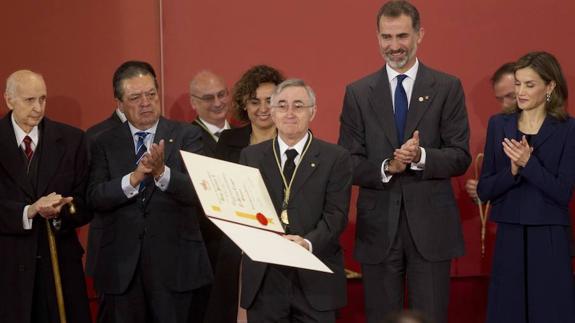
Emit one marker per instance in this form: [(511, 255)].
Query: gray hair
[(294, 83)]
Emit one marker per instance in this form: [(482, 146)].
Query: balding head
[(209, 97), (20, 77), (25, 95)]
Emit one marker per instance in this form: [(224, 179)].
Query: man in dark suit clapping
[(152, 257)]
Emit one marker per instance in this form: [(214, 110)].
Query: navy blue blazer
[(540, 193)]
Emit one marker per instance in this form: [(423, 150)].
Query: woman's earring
[(548, 97)]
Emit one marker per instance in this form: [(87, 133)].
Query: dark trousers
[(280, 299), (147, 300), (531, 279), (427, 282), (223, 303)]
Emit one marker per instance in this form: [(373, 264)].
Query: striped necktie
[(141, 145)]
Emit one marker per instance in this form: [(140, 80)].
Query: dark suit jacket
[(437, 110), (541, 192), (62, 168), (207, 139), (231, 143), (318, 209), (168, 220), (95, 229)]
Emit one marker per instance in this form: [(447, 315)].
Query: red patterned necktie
[(28, 147)]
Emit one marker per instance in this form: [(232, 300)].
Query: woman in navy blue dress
[(528, 175)]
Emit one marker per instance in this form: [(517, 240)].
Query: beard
[(394, 62)]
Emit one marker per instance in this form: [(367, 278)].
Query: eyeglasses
[(296, 106), (211, 98), (137, 98)]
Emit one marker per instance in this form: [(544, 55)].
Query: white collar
[(151, 130), (411, 73), (299, 146), (20, 134), (213, 128)]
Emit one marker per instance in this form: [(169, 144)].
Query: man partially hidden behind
[(43, 171), (503, 82), (152, 258), (407, 130), (309, 183)]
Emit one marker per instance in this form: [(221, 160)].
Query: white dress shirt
[(407, 83), (20, 134)]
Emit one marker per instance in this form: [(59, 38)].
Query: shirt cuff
[(26, 222), (421, 164), (164, 180), (127, 188), (385, 178), (309, 244)]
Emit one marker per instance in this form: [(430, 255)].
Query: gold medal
[(284, 217)]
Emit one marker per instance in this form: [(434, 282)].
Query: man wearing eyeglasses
[(309, 181), (152, 259), (209, 97)]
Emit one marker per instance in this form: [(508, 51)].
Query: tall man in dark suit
[(43, 168), (95, 228), (152, 257), (309, 181), (406, 128)]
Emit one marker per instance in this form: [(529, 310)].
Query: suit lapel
[(421, 96), (52, 152), (11, 160), (510, 126), (165, 131), (382, 106), (306, 168), (548, 127)]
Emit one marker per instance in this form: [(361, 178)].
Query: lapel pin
[(420, 99), (171, 140), (312, 164)]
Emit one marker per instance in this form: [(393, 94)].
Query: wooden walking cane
[(482, 211), (56, 267)]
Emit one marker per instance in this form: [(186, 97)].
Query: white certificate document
[(234, 197)]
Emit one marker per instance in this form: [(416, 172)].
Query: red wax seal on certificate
[(262, 219)]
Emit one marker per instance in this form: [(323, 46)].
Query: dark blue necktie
[(140, 145), (400, 108), (140, 151)]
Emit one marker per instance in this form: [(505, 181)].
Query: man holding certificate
[(309, 182)]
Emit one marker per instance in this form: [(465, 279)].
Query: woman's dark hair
[(247, 85), (548, 68)]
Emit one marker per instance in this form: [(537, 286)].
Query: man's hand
[(396, 167), (48, 206), (154, 160), (297, 239), (471, 188), (139, 174), (409, 152)]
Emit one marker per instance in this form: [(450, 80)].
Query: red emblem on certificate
[(262, 219)]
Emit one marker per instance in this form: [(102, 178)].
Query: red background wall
[(77, 45)]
